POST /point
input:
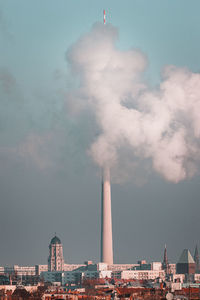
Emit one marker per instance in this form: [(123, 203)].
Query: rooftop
[(186, 257), (55, 240)]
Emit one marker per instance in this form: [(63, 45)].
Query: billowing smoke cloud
[(161, 125), (4, 30), (7, 81)]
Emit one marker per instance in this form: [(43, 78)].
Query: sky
[(50, 172)]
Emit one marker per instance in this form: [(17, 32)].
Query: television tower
[(106, 214), (106, 220)]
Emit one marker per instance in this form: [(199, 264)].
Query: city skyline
[(48, 180), (56, 264)]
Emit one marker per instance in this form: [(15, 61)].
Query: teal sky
[(62, 194), (41, 31)]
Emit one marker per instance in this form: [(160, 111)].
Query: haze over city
[(57, 134)]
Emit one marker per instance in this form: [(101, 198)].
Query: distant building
[(139, 274), (23, 274), (143, 265), (86, 271), (20, 270), (121, 267), (178, 278), (40, 268), (71, 267), (102, 270), (172, 269), (196, 260), (165, 264), (197, 277), (156, 266), (55, 259), (186, 264), (52, 276)]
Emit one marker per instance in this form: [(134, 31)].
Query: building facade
[(55, 259), (186, 264)]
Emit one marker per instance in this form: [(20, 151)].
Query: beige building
[(139, 274), (55, 259), (20, 270), (40, 268)]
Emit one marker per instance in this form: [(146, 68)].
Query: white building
[(71, 267), (139, 274), (101, 270), (40, 268), (178, 277), (197, 277), (156, 266), (20, 271), (121, 267)]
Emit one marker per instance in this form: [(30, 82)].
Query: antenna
[(104, 17)]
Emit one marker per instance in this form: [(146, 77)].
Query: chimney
[(106, 220)]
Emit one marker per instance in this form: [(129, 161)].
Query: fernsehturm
[(106, 220)]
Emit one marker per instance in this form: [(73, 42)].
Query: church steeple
[(196, 259), (165, 264)]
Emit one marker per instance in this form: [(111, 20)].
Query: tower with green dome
[(55, 259)]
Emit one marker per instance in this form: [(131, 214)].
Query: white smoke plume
[(160, 125), (7, 81)]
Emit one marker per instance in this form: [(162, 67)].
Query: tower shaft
[(106, 220), (165, 261)]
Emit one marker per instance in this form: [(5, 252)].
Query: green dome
[(55, 240)]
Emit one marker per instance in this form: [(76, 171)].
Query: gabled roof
[(186, 257)]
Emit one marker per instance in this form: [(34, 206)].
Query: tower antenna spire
[(104, 17)]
